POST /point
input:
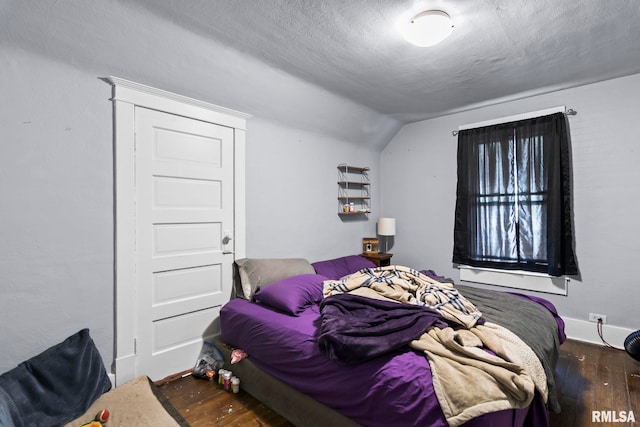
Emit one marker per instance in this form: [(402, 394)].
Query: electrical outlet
[(593, 317)]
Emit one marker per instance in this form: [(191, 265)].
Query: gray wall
[(292, 193), (56, 167), (56, 218), (419, 185), (56, 154)]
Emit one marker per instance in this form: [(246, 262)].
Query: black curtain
[(513, 207)]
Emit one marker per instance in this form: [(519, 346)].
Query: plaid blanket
[(409, 286)]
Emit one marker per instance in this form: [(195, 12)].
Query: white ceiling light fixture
[(428, 28)]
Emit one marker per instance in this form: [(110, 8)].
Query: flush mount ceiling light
[(428, 28)]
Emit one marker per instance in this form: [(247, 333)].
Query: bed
[(281, 318)]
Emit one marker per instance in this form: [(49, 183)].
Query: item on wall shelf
[(353, 190), (387, 229), (370, 245)]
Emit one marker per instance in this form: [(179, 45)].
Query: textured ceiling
[(498, 50)]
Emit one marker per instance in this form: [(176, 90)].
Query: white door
[(184, 236)]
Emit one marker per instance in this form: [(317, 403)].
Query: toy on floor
[(100, 419)]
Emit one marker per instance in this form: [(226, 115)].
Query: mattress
[(392, 389)]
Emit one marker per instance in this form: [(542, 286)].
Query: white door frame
[(126, 96)]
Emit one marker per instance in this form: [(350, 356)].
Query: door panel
[(183, 239), (205, 281), (176, 342), (184, 201), (181, 193), (179, 147)]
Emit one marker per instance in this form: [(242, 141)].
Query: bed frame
[(293, 405)]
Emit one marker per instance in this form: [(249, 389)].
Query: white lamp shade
[(387, 226), (428, 28)]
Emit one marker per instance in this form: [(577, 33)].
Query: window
[(513, 209)]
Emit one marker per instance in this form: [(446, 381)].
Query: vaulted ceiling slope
[(499, 49), (338, 67)]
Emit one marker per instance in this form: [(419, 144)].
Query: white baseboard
[(125, 369), (586, 331), (112, 378)]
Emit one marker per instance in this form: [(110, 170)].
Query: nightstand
[(379, 259)]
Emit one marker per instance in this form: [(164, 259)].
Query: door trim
[(127, 95)]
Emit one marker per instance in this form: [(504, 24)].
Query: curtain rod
[(568, 112)]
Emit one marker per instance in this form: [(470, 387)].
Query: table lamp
[(386, 228)]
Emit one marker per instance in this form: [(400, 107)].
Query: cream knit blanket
[(469, 381)]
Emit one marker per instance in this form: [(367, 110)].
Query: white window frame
[(515, 279)]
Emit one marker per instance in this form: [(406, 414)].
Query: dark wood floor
[(589, 378), (595, 378), (204, 403)]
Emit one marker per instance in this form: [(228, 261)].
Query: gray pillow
[(256, 273)]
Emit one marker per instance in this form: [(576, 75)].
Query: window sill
[(516, 279)]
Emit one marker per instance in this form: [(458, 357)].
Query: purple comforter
[(390, 389), (355, 328)]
